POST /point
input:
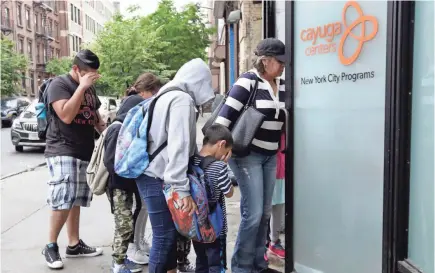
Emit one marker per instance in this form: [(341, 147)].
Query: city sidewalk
[(24, 225)]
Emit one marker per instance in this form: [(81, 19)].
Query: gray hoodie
[(174, 119)]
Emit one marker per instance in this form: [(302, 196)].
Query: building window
[(57, 53), (36, 22), (32, 82), (44, 50), (21, 45), (28, 24), (23, 79), (56, 30), (78, 17), (38, 48), (29, 50), (19, 15), (56, 7), (7, 19), (51, 53), (50, 28), (72, 12)]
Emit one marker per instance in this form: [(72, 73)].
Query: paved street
[(11, 161), (24, 218)]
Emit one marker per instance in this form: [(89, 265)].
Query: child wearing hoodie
[(173, 123)]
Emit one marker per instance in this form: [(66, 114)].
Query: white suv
[(108, 109)]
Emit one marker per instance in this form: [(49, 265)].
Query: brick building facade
[(43, 30)]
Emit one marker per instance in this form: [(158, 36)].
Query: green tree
[(159, 43), (59, 66), (12, 65), (184, 33)]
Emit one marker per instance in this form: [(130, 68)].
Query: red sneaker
[(277, 249)]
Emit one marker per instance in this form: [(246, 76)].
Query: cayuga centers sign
[(331, 38)]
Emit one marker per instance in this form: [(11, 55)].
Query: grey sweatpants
[(139, 228), (276, 220)]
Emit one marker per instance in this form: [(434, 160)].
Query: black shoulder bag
[(246, 126)]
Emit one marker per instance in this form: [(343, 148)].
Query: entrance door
[(339, 120)]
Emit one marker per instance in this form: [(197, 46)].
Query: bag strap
[(253, 93), (153, 104), (150, 115), (206, 161)]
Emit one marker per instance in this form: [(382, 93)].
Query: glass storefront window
[(339, 129), (421, 211)]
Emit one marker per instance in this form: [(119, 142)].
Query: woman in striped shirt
[(256, 172)]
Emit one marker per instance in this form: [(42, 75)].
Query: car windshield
[(31, 107), (9, 103)]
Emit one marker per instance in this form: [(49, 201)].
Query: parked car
[(12, 107), (24, 131), (108, 109)]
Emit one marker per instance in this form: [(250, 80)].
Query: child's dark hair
[(216, 133)]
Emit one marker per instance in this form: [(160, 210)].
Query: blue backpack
[(131, 156), (206, 225)]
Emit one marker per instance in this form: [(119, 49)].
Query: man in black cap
[(73, 118)]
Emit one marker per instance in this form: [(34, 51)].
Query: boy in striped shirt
[(217, 144)]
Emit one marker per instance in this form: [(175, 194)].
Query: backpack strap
[(150, 115), (206, 161)]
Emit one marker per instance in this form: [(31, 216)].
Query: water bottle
[(41, 112), (41, 119)]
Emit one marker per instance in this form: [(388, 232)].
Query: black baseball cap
[(271, 47), (88, 58)]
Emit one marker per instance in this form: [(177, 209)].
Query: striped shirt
[(267, 137), (217, 173)]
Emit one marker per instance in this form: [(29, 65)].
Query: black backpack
[(43, 121)]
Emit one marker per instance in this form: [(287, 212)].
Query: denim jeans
[(163, 255), (208, 257), (256, 175)]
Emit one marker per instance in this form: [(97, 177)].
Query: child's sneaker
[(119, 268), (137, 255), (277, 249), (132, 266)]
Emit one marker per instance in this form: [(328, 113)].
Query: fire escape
[(6, 19), (43, 32)]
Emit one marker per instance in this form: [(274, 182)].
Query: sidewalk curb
[(23, 171)]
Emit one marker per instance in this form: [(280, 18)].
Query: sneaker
[(52, 256), (119, 268), (277, 249), (186, 267), (137, 256), (83, 250), (132, 266), (145, 247)]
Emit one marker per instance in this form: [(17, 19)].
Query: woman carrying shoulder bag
[(262, 89)]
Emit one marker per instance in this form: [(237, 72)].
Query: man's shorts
[(67, 186)]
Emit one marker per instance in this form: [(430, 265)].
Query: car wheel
[(19, 149)]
